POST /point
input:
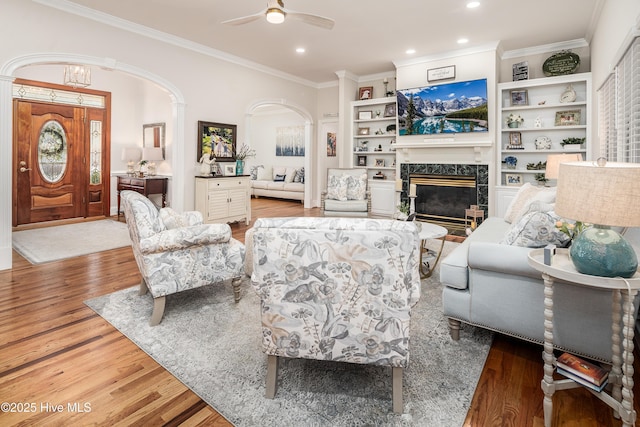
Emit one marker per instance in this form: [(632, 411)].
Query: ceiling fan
[(276, 14)]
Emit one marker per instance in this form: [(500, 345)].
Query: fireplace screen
[(443, 199)]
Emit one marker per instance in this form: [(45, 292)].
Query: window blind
[(619, 109)]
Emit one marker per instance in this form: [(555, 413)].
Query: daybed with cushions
[(487, 281), (280, 181)]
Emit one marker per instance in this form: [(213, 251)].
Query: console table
[(621, 375), (146, 185)]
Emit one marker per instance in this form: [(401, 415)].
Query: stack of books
[(581, 371)]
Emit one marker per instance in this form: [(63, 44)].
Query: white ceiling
[(368, 34)]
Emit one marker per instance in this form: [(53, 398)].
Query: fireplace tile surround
[(479, 171)]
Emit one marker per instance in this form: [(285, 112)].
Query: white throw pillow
[(527, 194), (278, 170), (337, 187), (291, 174), (265, 174)]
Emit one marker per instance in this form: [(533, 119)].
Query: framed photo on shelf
[(365, 115), (363, 131), (230, 169), (513, 179), (365, 92), (519, 97), (390, 110), (218, 138), (568, 118), (362, 160), (515, 138), (379, 163)]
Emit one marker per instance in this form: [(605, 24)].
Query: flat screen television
[(447, 108)]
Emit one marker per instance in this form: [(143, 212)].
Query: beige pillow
[(291, 173), (527, 194), (265, 174), (278, 170)]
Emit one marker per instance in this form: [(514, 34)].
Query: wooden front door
[(52, 161)]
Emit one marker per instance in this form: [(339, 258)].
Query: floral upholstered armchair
[(176, 252), (347, 194), (336, 289)]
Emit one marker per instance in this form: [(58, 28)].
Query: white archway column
[(6, 165)]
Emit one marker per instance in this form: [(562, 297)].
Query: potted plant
[(403, 211), (573, 141), (514, 120), (241, 155)]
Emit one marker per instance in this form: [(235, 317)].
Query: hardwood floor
[(61, 364)]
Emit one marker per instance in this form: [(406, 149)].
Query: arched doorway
[(309, 167), (7, 75)]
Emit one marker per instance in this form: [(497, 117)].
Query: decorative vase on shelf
[(513, 124), (239, 167)]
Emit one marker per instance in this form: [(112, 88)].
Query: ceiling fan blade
[(318, 21), (244, 19)]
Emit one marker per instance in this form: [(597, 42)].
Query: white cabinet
[(383, 196), (547, 124), (224, 199), (373, 135)]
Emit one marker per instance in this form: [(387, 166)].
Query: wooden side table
[(621, 375), (145, 186)]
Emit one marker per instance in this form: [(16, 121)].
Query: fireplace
[(444, 191)]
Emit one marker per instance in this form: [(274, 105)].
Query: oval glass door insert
[(52, 151)]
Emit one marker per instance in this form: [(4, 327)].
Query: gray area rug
[(214, 347), (67, 241)]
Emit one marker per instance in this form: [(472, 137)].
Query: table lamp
[(130, 155), (605, 194), (554, 160), (151, 155)]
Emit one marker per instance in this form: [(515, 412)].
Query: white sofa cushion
[(278, 170), (345, 205), (261, 184)]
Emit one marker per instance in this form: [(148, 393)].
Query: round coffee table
[(430, 232)]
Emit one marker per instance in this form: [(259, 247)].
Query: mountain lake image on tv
[(456, 107)]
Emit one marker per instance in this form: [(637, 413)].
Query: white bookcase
[(539, 103), (374, 132)]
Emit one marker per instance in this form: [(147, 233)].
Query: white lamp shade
[(130, 154), (604, 195), (553, 163), (152, 154)]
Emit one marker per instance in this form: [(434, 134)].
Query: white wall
[(263, 138)]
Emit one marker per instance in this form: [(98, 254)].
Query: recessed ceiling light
[(473, 4), (463, 41), (300, 50), (410, 51)]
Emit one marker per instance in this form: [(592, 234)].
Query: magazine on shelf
[(583, 369), (582, 381)]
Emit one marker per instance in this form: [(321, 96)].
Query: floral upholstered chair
[(347, 194), (176, 252), (336, 289)]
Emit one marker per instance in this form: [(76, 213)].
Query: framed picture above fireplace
[(457, 107)]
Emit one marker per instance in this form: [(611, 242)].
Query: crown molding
[(487, 47), (112, 21), (545, 48)]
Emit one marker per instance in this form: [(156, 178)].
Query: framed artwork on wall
[(331, 144), (217, 138), (365, 92)]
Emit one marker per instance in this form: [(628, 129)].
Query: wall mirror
[(153, 136)]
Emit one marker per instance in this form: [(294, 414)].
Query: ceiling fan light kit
[(276, 14)]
